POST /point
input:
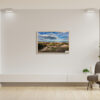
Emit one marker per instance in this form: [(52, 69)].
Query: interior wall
[(0, 44), (19, 41)]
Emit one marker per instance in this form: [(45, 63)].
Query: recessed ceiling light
[(8, 10), (91, 10)]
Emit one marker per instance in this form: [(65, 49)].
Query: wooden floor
[(49, 93)]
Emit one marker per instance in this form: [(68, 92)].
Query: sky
[(53, 36)]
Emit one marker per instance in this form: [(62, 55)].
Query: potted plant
[(86, 71)]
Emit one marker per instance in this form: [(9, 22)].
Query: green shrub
[(85, 70), (41, 46)]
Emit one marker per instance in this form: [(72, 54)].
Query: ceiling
[(49, 4)]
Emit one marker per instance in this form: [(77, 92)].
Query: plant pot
[(86, 73)]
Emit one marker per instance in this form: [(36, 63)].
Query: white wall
[(0, 45), (19, 41)]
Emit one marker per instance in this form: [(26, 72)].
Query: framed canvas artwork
[(53, 42)]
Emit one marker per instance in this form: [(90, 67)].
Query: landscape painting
[(53, 42)]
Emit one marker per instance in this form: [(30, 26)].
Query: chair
[(94, 78)]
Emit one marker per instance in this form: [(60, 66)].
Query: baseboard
[(28, 84)]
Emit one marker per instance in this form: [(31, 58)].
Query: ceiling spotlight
[(8, 10), (91, 10)]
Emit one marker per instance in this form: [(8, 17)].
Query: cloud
[(53, 37)]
